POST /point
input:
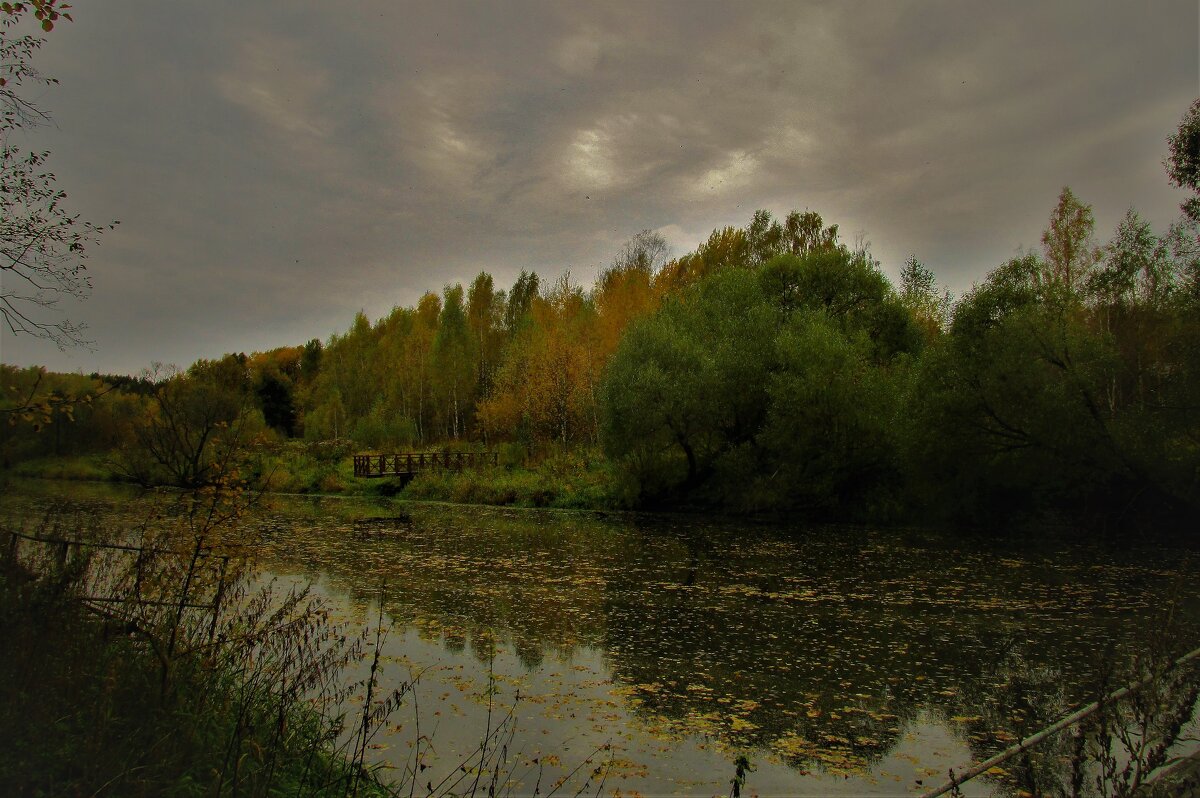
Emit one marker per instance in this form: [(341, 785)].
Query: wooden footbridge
[(407, 465)]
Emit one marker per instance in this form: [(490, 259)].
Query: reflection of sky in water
[(569, 711), (841, 660)]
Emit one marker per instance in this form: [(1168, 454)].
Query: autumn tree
[(43, 413), (762, 239), (919, 294), (625, 290), (646, 252), (1069, 244), (724, 248)]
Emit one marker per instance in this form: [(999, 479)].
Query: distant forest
[(774, 368)]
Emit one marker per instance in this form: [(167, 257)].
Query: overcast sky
[(277, 166)]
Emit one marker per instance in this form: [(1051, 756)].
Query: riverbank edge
[(564, 481), (797, 524), (80, 703), (582, 481)]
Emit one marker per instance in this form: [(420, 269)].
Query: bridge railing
[(382, 465)]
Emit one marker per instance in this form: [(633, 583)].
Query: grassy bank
[(569, 480), (576, 479), (291, 467), (83, 468), (582, 479), (136, 692)]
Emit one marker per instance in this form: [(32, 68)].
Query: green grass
[(579, 480), (294, 468), (83, 468), (573, 479), (90, 706)]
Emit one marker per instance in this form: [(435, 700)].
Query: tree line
[(773, 368)]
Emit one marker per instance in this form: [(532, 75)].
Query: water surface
[(840, 660)]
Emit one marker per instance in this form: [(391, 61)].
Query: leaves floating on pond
[(684, 643)]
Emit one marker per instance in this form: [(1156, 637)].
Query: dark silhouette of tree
[(1183, 161)]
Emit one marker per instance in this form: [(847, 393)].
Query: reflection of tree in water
[(1014, 697), (1109, 752), (826, 649), (469, 578), (454, 639), (821, 646)]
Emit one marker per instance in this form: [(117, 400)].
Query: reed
[(135, 666)]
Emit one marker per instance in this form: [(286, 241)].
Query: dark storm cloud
[(278, 166)]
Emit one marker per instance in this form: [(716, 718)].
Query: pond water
[(839, 660)]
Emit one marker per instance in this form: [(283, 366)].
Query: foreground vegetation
[(115, 681)]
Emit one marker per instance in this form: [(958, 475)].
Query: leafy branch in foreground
[(43, 246)]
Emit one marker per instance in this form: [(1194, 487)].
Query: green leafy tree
[(199, 426), (310, 360), (761, 240), (485, 317), (520, 300), (349, 370), (1183, 159), (919, 294), (689, 383), (850, 289), (1133, 267), (1069, 245), (1001, 395), (453, 361), (829, 430), (769, 386), (274, 392), (417, 363), (1043, 404)]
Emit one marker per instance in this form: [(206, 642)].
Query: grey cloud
[(278, 166)]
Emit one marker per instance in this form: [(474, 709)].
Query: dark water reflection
[(843, 660)]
